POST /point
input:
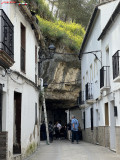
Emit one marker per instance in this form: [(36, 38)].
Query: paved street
[(64, 150)]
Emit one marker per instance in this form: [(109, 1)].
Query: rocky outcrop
[(62, 74)]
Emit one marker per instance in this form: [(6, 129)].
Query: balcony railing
[(82, 98), (89, 92), (6, 40), (116, 66), (105, 77)]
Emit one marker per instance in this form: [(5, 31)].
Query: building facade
[(109, 82), (19, 91), (96, 96)]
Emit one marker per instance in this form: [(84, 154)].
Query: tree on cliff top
[(78, 11)]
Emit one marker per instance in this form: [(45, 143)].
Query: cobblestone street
[(64, 150)]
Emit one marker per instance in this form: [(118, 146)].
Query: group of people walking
[(70, 130)]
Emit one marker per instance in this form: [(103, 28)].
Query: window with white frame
[(87, 78), (91, 73)]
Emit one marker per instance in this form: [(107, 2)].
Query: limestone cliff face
[(62, 74)]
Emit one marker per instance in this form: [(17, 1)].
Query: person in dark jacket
[(43, 131)]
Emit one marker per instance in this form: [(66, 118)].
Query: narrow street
[(64, 150)]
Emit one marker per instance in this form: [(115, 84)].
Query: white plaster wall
[(93, 44), (111, 39), (13, 82), (88, 59), (17, 18), (106, 12), (29, 98)]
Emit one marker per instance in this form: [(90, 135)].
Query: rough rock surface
[(62, 74)]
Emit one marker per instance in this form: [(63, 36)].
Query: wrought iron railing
[(81, 97), (105, 76), (88, 91), (116, 64), (6, 34)]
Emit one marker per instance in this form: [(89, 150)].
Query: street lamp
[(44, 56), (51, 50)]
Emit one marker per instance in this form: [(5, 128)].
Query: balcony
[(6, 41), (89, 93), (116, 66), (82, 99), (105, 78)]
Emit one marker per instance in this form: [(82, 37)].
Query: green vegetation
[(69, 34), (66, 33), (41, 8), (31, 148)]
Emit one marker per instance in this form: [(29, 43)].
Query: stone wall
[(118, 139), (90, 135), (104, 136), (3, 145), (99, 135)]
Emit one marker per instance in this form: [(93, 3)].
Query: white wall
[(12, 82), (29, 98), (93, 44), (17, 18), (111, 39)]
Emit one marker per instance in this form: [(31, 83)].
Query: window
[(36, 54), (35, 113), (35, 79), (91, 73), (87, 79), (107, 56), (84, 119), (83, 83), (23, 44), (95, 68), (35, 64)]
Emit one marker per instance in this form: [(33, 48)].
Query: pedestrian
[(50, 128), (43, 131), (59, 128), (69, 130), (74, 129)]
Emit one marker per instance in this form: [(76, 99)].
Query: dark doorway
[(106, 115), (17, 124), (91, 111), (84, 119)]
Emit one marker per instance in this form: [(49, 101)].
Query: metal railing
[(116, 64), (6, 34), (88, 91), (105, 76), (81, 97)]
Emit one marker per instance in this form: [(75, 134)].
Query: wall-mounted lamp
[(91, 52), (43, 57)]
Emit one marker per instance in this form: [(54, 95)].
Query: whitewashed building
[(19, 91), (96, 96), (110, 77)]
